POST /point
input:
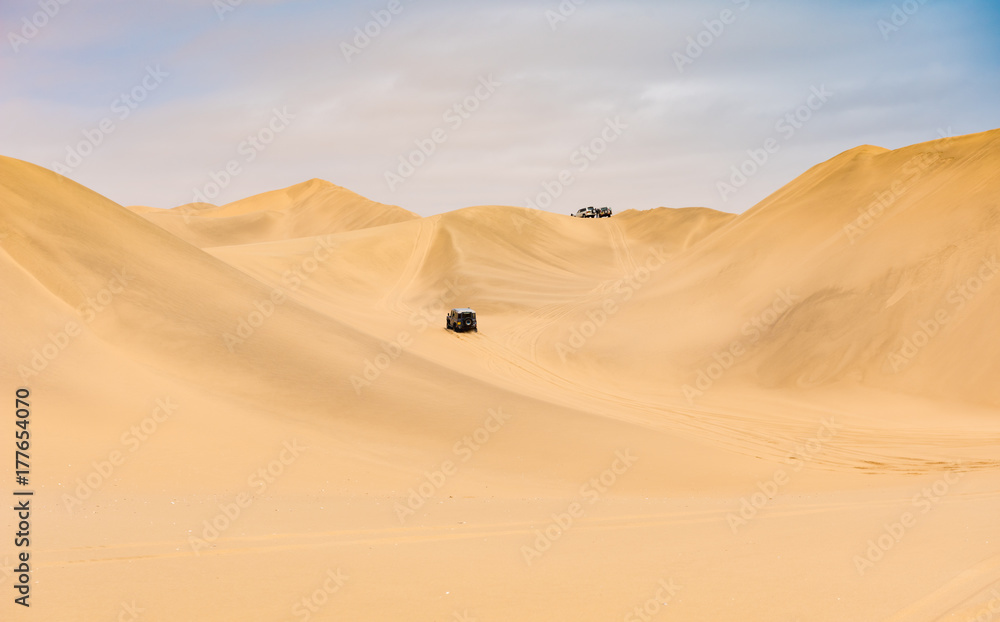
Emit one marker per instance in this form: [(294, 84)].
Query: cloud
[(560, 81)]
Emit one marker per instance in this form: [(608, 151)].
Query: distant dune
[(299, 211)]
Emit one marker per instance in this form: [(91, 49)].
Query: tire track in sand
[(393, 299)]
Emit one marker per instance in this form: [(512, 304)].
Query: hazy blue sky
[(672, 95)]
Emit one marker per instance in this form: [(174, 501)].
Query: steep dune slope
[(311, 208), (832, 277), (165, 301)]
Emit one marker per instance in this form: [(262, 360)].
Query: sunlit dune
[(706, 415)]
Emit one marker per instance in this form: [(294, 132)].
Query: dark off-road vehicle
[(461, 320), (604, 212), (585, 212)]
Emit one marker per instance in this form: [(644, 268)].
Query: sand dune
[(711, 416), (299, 211), (819, 270)]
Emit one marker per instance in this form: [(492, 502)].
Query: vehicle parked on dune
[(604, 212), (461, 320), (585, 212)]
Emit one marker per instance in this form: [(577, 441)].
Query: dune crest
[(315, 207)]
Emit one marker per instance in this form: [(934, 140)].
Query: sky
[(435, 106)]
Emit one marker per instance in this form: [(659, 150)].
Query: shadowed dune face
[(873, 264), (840, 333)]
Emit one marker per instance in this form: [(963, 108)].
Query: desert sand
[(253, 411)]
